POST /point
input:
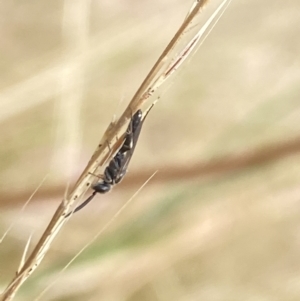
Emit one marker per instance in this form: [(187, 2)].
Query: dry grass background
[(232, 236)]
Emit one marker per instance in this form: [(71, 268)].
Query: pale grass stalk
[(19, 217), (75, 31), (23, 259), (147, 88)]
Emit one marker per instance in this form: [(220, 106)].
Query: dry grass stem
[(160, 72)]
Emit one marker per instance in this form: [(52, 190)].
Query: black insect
[(117, 167)]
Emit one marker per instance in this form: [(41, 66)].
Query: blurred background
[(220, 219)]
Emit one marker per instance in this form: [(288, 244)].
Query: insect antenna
[(83, 204)]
